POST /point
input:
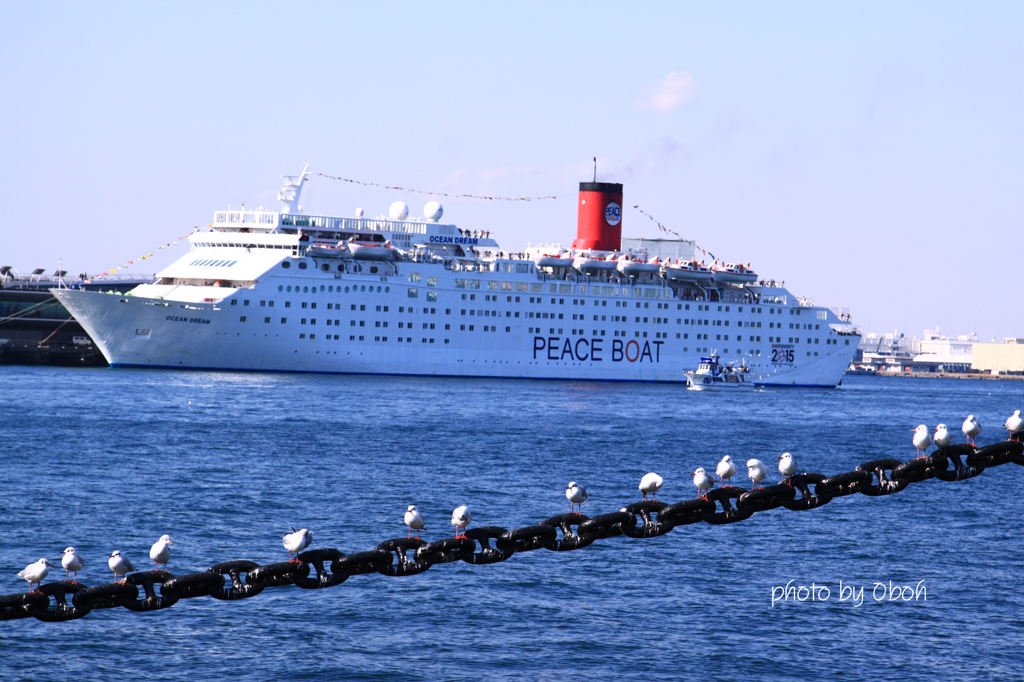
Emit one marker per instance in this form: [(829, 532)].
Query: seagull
[(943, 438), (703, 481), (460, 519), (971, 428), (414, 519), (71, 562), (757, 471), (576, 494), (35, 572), (922, 439), (726, 469), (160, 552), (650, 484), (787, 465), (119, 564), (1014, 423), (296, 541)]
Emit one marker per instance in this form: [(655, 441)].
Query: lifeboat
[(327, 250), (734, 273), (589, 265), (554, 261), (689, 271), (631, 267), (371, 250)]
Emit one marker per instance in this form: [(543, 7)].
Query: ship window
[(302, 265), (242, 318), (284, 320), (341, 268), (234, 301), (325, 267), (286, 264), (413, 292)]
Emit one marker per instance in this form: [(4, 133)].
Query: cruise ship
[(285, 291)]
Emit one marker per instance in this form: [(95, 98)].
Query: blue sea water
[(226, 463)]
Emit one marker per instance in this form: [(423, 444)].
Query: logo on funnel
[(612, 213)]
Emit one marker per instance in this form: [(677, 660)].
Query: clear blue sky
[(869, 154)]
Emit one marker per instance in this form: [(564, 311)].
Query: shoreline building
[(895, 352), (1005, 357)]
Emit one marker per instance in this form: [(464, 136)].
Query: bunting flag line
[(451, 195), (148, 255), (652, 219), (670, 231)]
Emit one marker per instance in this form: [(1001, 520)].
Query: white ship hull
[(136, 331)]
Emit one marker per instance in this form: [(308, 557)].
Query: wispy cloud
[(674, 89)]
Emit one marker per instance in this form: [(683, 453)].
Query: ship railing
[(356, 224)]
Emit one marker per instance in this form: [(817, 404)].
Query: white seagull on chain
[(787, 465), (576, 494), (757, 471), (119, 564), (726, 469), (1014, 423), (160, 552), (35, 572), (650, 484), (922, 439), (414, 520), (460, 519), (71, 562), (703, 481), (943, 438), (971, 428), (296, 541)]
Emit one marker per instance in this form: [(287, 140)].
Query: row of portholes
[(331, 288), (326, 267)]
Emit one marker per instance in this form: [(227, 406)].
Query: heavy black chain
[(319, 568)]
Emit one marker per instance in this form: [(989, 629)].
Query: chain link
[(645, 519)]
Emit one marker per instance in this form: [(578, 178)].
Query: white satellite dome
[(433, 210), (398, 210), (359, 212)]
